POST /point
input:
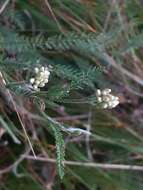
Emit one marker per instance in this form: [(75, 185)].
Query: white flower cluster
[(106, 99), (41, 77)]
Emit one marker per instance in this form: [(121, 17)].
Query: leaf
[(60, 149)]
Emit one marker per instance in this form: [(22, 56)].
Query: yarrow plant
[(106, 99), (53, 59), (41, 78)]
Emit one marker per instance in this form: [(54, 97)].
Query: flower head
[(41, 77), (106, 99)]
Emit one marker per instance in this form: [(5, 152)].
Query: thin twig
[(8, 94), (90, 164), (122, 70), (53, 15), (109, 15), (88, 128), (4, 6), (25, 132), (71, 118), (15, 164)]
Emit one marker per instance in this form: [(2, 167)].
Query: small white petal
[(98, 92), (32, 80), (116, 98), (42, 69), (115, 103), (39, 79), (35, 87), (110, 104), (37, 82), (36, 69), (105, 106), (99, 99), (41, 73), (47, 72), (106, 91), (113, 106), (46, 80), (41, 84)]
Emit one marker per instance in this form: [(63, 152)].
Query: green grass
[(87, 45)]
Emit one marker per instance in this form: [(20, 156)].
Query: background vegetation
[(87, 44)]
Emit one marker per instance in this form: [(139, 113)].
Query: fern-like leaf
[(60, 149)]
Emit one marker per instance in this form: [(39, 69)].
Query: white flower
[(98, 92), (46, 80), (47, 72), (36, 69), (41, 77), (42, 69), (37, 82), (35, 87), (106, 99), (32, 80), (42, 84), (106, 91), (99, 99), (104, 105)]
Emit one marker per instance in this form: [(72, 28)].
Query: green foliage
[(60, 149), (87, 45)]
